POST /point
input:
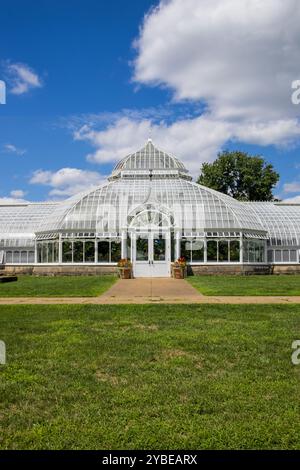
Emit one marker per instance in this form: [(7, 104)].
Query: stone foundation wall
[(62, 270), (286, 269), (233, 269), (100, 270)]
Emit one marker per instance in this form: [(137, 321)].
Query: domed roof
[(149, 158), (152, 178), (281, 220), (193, 207)]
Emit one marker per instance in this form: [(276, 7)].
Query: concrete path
[(145, 291)]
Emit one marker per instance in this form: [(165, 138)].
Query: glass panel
[(31, 257), (234, 251), (278, 256), (172, 247), (270, 256), (67, 252), (78, 252), (50, 252), (257, 252), (24, 257), (185, 249), (129, 247), (44, 253), (16, 257), (293, 256), (39, 252), (159, 249), (198, 250), (103, 252), (262, 252), (223, 251), (251, 246), (115, 250), (212, 250), (89, 252), (286, 256), (142, 249), (55, 252)]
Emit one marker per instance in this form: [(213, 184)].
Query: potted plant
[(125, 268), (179, 268)]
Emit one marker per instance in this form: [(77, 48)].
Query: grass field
[(247, 285), (60, 286), (149, 376)]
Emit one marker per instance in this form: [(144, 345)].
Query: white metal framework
[(152, 212)]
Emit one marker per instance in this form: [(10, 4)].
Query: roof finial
[(149, 140)]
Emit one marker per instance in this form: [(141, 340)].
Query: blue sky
[(89, 81)]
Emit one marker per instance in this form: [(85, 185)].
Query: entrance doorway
[(151, 254)]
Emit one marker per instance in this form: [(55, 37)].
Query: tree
[(240, 175)]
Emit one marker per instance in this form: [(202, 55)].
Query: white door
[(151, 255)]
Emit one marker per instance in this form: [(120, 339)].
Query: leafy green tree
[(240, 175)]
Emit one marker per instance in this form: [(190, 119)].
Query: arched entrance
[(150, 232)]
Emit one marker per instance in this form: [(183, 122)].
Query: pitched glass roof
[(152, 180)]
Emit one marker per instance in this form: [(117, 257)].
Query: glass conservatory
[(152, 212)]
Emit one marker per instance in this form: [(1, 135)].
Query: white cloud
[(11, 200), (292, 187), (17, 193), (293, 200), (194, 140), (239, 56), (16, 197), (10, 148), (67, 181), (21, 78), (234, 58)]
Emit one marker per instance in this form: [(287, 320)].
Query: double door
[(151, 255)]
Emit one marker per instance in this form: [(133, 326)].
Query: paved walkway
[(145, 291)]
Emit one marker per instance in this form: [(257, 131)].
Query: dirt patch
[(108, 378), (142, 327)]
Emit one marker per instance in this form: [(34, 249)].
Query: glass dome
[(282, 221), (151, 211), (137, 182), (149, 158)]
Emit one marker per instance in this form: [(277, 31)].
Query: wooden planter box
[(8, 279), (125, 273), (179, 272)]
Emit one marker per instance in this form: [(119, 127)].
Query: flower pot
[(125, 273), (178, 272)]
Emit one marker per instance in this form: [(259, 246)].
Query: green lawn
[(149, 376), (60, 286), (247, 285)]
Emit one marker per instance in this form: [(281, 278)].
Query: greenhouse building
[(151, 212)]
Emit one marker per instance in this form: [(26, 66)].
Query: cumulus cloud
[(240, 57), (17, 193), (292, 189), (10, 148), (21, 78), (293, 200), (11, 200), (67, 181), (194, 140), (235, 60), (16, 197)]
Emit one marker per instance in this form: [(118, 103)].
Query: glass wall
[(254, 251), (47, 252), (218, 251), (19, 257), (223, 251), (109, 251), (282, 256)]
